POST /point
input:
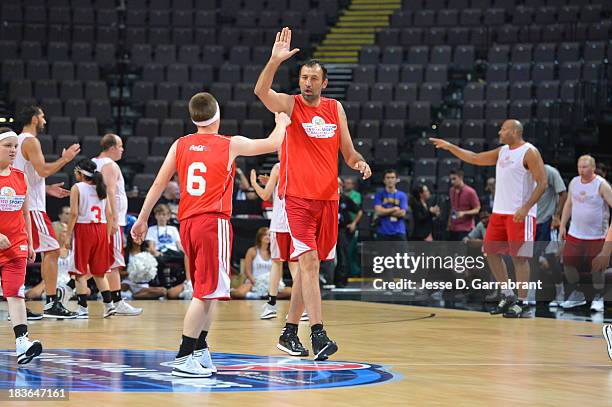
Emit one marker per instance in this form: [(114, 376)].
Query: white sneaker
[(576, 299), (109, 309), (187, 292), (607, 333), (123, 308), (597, 305), (26, 350), (82, 312), (187, 366), (268, 311), (559, 299), (204, 358), (64, 294), (304, 316)]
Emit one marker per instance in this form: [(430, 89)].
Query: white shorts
[(117, 249)]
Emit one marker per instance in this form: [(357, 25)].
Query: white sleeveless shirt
[(514, 183), (37, 199), (91, 208), (590, 212), (120, 196), (278, 223), (261, 267)]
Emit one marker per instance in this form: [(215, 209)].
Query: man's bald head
[(112, 146), (511, 131)]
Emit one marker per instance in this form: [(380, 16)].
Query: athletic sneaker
[(58, 311), (531, 297), (517, 310), (503, 305), (64, 294), (109, 309), (559, 299), (204, 358), (304, 316), (576, 299), (597, 305), (322, 346), (123, 308), (289, 342), (187, 366), (607, 333), (82, 312), (26, 350), (268, 311)]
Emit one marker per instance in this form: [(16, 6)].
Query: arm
[(566, 214), (25, 208), (110, 176), (244, 183), (535, 165), (606, 193), (32, 152), (111, 226), (475, 203), (167, 170), (400, 212), (379, 209), (74, 214), (249, 147), (351, 156), (276, 102), (265, 193), (483, 159), (248, 264)]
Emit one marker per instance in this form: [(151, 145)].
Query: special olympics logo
[(128, 370), (7, 193), (317, 128)]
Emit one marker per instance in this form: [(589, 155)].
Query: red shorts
[(91, 248), (313, 225), (207, 240), (12, 275), (505, 236), (116, 249), (577, 250), (43, 235), (280, 246)]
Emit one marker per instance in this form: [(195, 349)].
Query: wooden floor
[(456, 358)]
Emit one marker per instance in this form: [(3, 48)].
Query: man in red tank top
[(205, 165), (309, 177)]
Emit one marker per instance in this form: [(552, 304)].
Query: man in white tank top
[(112, 151), (280, 249), (30, 159), (588, 206), (521, 180)]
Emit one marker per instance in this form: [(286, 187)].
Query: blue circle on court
[(129, 370)]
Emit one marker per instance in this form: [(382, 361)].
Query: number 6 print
[(196, 184)]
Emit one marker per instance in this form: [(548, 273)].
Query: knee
[(52, 255)]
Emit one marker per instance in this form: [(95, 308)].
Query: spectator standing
[(464, 207), (390, 206), (423, 213)]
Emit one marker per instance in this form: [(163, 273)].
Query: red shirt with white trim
[(13, 190)]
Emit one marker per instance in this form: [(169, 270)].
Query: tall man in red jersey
[(521, 181), (309, 176), (205, 165)]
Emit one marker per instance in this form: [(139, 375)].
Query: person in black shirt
[(423, 213), (346, 230)]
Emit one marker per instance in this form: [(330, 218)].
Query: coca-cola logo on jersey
[(199, 147), (505, 162), (319, 129)]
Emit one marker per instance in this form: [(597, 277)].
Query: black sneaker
[(32, 316), (503, 305), (58, 311), (322, 346), (517, 310), (289, 342)]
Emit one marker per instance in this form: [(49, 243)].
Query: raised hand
[(71, 152), (439, 143), (282, 119), (281, 51)]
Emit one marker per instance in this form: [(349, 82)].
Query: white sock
[(559, 289), (507, 292)]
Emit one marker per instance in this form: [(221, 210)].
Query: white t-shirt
[(165, 237), (590, 212), (515, 184)]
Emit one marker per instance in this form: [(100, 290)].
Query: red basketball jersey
[(205, 182), (13, 190), (309, 159)]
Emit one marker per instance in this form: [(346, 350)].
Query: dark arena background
[(405, 72)]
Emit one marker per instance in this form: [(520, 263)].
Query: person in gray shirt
[(550, 204)]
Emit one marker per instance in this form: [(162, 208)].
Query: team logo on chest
[(319, 129), (9, 200), (199, 148), (505, 162)]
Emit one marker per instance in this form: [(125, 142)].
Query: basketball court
[(389, 355)]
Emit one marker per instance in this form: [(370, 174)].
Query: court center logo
[(127, 370), (319, 129)]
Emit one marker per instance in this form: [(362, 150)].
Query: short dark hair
[(390, 171), (24, 116), (311, 63), (202, 107), (457, 172), (108, 141)]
